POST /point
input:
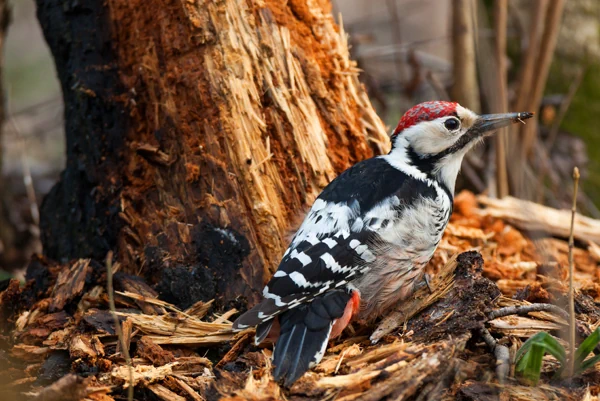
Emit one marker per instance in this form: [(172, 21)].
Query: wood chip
[(146, 348), (521, 326), (29, 352), (144, 295), (237, 348), (164, 393), (166, 325), (143, 373), (594, 251), (189, 390), (85, 346), (199, 309), (203, 341), (467, 232), (377, 354), (153, 154), (69, 284)]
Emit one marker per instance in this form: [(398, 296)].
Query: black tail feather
[(304, 335), (262, 331)]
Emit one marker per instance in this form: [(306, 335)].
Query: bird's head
[(435, 136)]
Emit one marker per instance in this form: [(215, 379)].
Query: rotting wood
[(164, 393), (146, 348), (139, 290), (464, 308), (69, 284)]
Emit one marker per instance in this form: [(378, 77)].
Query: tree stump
[(197, 131)]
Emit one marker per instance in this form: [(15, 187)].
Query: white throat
[(446, 170)]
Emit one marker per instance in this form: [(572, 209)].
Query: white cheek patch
[(431, 137)]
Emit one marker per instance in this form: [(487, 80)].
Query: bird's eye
[(452, 124)]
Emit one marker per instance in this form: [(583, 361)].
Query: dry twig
[(500, 17), (525, 309), (113, 311), (571, 270), (547, 45), (500, 352), (465, 89)]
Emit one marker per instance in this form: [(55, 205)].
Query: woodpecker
[(365, 242)]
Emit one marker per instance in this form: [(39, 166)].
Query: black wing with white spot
[(309, 270)]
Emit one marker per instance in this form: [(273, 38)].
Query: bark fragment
[(146, 348), (69, 284)]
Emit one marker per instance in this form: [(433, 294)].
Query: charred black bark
[(79, 215)]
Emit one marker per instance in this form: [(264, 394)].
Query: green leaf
[(527, 344), (550, 344), (553, 347), (530, 365), (524, 361), (588, 364), (586, 347), (530, 356)]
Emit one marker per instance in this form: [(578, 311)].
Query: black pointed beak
[(483, 125), (491, 122)]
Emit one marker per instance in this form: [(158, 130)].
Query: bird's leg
[(425, 280)]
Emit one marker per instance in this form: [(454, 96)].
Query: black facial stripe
[(426, 165), (463, 141)]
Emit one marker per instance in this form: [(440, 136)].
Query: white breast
[(407, 245)]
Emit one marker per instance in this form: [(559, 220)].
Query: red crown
[(426, 111)]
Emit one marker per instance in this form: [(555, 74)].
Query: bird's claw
[(424, 282)]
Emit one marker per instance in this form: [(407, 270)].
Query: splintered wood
[(486, 271)]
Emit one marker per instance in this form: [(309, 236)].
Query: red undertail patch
[(349, 312)]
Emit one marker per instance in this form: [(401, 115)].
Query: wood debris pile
[(58, 339)]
